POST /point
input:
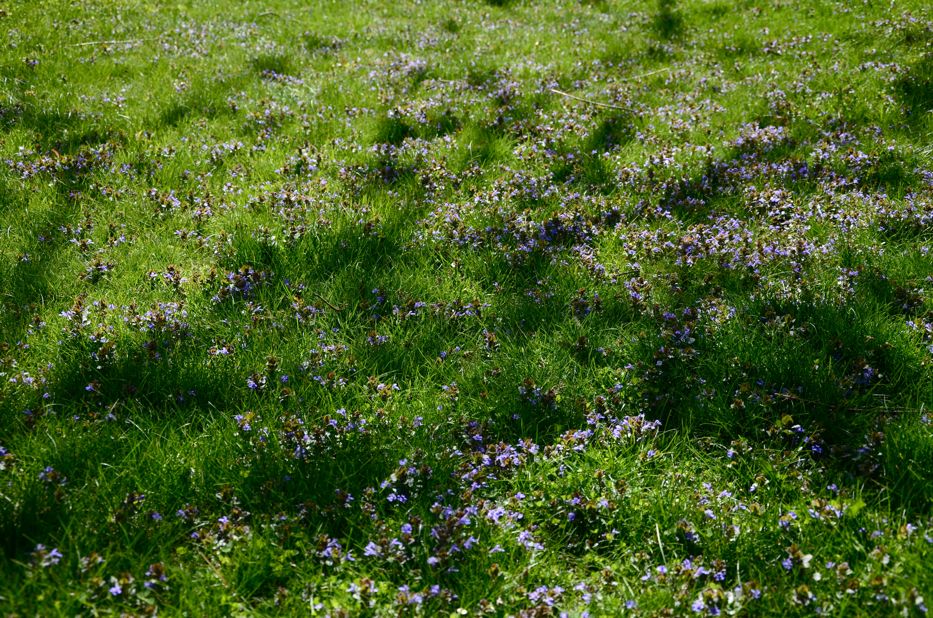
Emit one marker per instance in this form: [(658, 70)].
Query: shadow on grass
[(668, 22), (915, 90), (839, 379), (30, 282)]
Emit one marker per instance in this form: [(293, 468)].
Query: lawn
[(511, 308)]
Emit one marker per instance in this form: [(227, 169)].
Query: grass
[(469, 307)]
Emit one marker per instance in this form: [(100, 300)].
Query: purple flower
[(372, 550)]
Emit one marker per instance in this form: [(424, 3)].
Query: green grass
[(466, 308)]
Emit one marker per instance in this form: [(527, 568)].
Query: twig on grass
[(609, 105), (581, 99), (325, 301), (657, 531), (113, 42)]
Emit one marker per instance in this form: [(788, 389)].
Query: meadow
[(461, 308)]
